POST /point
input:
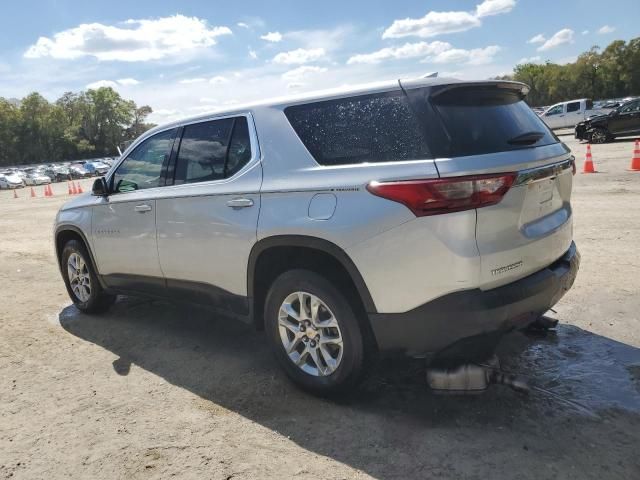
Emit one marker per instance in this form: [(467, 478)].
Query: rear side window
[(573, 107), (212, 150), (480, 120), (370, 128)]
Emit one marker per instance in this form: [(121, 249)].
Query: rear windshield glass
[(481, 120), (369, 128)]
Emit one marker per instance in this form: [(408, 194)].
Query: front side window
[(554, 110), (369, 128), (573, 107), (632, 107), (143, 167), (213, 150)]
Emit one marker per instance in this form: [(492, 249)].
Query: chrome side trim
[(540, 173)]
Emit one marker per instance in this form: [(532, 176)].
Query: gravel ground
[(155, 390)]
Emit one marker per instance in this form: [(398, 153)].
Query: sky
[(189, 57)]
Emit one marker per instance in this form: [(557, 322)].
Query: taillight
[(445, 195)]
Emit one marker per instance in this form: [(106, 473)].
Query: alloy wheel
[(79, 278), (310, 334)]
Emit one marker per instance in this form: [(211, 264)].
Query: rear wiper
[(527, 138)]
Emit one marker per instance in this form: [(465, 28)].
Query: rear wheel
[(314, 333), (600, 135), (81, 280)]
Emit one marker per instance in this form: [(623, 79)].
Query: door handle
[(142, 208), (240, 203)]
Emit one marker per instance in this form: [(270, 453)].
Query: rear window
[(480, 120), (369, 128)]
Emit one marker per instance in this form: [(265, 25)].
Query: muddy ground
[(155, 390)]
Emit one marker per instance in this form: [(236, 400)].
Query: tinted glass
[(630, 107), (555, 110), (143, 167), (239, 148), (213, 150), (487, 120), (573, 107), (372, 128)]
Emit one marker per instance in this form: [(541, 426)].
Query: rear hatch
[(486, 128)]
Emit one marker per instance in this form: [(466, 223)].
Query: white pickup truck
[(569, 114)]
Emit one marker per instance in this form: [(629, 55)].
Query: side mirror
[(100, 188)]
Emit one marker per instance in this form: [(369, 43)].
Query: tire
[(599, 135), (89, 298), (347, 364)]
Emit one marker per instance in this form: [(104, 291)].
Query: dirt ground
[(155, 390)]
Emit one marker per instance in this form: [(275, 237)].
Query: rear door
[(490, 129), (207, 219), (574, 115)]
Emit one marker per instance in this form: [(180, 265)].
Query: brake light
[(445, 195)]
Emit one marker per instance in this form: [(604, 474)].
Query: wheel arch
[(274, 255), (66, 232)]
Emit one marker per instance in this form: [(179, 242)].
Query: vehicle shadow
[(584, 409)]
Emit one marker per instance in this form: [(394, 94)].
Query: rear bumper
[(470, 323)]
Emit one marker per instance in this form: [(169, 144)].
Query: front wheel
[(81, 279), (599, 135), (314, 333)]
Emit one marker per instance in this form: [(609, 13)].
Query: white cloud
[(130, 41), (127, 81), (494, 7), (438, 23), (295, 85), (408, 50), (302, 72), (274, 37), (432, 24), (253, 54), (102, 83), (189, 81), (585, 32), (475, 56), (561, 37), (242, 25), (299, 56), (537, 39), (606, 29), (535, 59), (218, 79)]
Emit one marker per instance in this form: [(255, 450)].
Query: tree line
[(75, 126), (597, 74)]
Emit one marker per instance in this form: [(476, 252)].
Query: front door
[(207, 220), (124, 223), (554, 117)]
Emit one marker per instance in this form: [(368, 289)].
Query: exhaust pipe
[(471, 379)]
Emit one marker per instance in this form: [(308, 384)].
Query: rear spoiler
[(439, 89)]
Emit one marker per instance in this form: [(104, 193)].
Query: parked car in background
[(97, 168), (36, 178), (58, 173), (78, 171), (619, 122), (10, 180), (568, 114), (340, 223)]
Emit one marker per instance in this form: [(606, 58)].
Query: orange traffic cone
[(15, 193), (80, 188), (588, 162), (33, 193), (69, 188), (45, 191), (74, 190), (635, 161), (49, 191)]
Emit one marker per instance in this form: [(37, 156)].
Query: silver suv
[(427, 217)]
